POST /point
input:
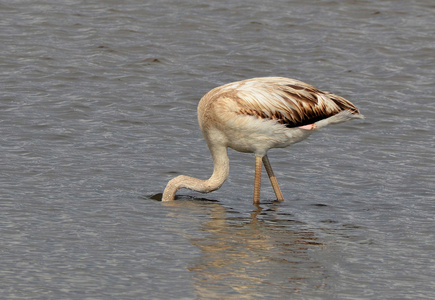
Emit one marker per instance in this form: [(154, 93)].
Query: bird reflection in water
[(266, 253)]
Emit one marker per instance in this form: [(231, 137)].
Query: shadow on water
[(246, 255), (158, 197)]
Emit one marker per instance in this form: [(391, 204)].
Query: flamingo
[(255, 115)]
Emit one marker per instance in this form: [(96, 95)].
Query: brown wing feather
[(290, 102)]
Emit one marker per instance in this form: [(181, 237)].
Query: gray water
[(98, 111)]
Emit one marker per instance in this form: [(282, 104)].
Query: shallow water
[(98, 111)]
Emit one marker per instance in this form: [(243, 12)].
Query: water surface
[(98, 111)]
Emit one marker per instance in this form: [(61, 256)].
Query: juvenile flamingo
[(254, 116)]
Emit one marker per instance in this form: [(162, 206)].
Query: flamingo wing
[(290, 102)]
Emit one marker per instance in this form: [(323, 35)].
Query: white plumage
[(254, 116)]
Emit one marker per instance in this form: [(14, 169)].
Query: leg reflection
[(264, 254)]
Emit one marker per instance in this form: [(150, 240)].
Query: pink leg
[(272, 178), (257, 180)]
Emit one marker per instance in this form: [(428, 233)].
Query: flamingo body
[(256, 115)]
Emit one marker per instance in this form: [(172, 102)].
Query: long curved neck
[(220, 173)]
